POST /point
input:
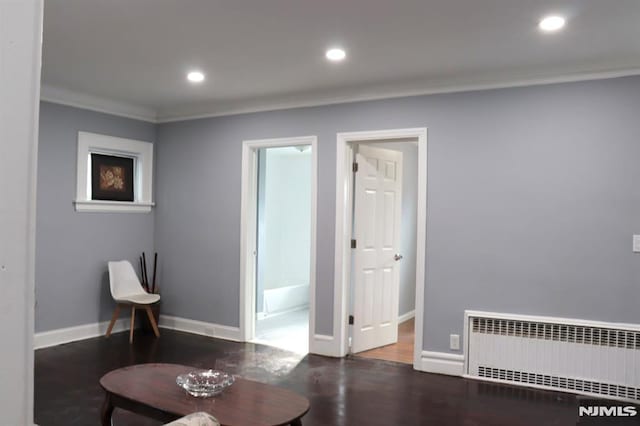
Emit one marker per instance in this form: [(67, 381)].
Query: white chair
[(126, 290)]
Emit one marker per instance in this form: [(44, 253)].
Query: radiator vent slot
[(558, 332), (578, 385), (578, 356)]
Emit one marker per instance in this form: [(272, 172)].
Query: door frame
[(344, 214), (248, 229), (21, 53)]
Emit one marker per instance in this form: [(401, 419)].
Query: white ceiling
[(263, 54)]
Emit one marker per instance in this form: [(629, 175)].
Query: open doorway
[(283, 247), (368, 314), (278, 242), (383, 255), (394, 166)]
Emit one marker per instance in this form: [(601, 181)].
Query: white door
[(376, 229)]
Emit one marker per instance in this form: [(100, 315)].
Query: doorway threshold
[(289, 331), (401, 352)]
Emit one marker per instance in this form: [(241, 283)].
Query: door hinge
[(350, 319), (353, 244), (354, 167)]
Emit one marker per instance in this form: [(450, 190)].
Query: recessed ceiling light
[(195, 77), (335, 54), (551, 23)]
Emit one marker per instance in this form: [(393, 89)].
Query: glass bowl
[(204, 383)]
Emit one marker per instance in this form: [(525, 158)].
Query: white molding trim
[(122, 109), (80, 100), (442, 363), (342, 260), (60, 336), (200, 327), (262, 315), (45, 339), (99, 206), (140, 151), (377, 93), (248, 209), (406, 316)]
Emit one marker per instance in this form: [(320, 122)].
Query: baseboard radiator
[(585, 357)]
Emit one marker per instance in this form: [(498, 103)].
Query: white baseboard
[(442, 363), (323, 345), (264, 315), (406, 317), (200, 327), (59, 336)]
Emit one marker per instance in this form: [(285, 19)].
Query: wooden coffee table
[(151, 390)]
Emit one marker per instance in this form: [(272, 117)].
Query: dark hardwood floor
[(350, 391)]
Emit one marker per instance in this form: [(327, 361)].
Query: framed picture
[(112, 177)]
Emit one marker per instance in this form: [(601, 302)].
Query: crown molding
[(80, 100), (379, 92)]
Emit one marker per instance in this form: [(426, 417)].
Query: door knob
[(397, 257)]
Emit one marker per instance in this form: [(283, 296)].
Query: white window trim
[(141, 151)]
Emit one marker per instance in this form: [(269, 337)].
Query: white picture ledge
[(142, 154), (99, 206)]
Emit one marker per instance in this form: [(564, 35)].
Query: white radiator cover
[(587, 357)]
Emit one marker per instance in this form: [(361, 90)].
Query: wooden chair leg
[(114, 317), (133, 319), (152, 320)]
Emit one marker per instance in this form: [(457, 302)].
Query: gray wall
[(72, 249), (533, 195), (407, 296)]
